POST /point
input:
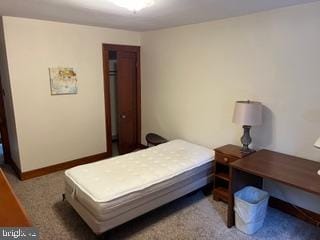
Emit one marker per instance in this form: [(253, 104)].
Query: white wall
[(192, 75), (55, 129)]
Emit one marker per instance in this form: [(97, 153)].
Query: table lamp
[(317, 143), (247, 113)]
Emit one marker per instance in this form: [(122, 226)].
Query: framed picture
[(63, 81)]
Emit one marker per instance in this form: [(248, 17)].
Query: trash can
[(250, 206)]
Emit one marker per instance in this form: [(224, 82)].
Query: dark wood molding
[(14, 166), (298, 212), (107, 103), (119, 47), (138, 97), (142, 146), (58, 167), (105, 59)]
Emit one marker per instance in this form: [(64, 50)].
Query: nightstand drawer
[(223, 158)]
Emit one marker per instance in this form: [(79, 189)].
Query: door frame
[(4, 128), (106, 82)]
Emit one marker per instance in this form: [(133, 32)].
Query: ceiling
[(163, 14)]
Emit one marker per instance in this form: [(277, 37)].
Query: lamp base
[(249, 150), (246, 139)]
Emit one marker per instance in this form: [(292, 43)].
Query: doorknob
[(123, 116)]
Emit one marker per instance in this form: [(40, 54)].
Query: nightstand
[(223, 156)]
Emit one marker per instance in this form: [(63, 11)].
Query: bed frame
[(144, 205)]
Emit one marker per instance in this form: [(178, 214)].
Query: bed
[(113, 191)]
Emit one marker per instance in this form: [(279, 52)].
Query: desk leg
[(239, 180)]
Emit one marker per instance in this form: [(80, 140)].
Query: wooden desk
[(296, 172), (12, 213)]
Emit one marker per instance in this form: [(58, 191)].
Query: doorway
[(122, 98), (5, 155), (113, 101)]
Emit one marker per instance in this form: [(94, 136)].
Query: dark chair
[(154, 139)]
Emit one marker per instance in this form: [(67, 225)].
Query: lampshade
[(247, 113), (317, 143)]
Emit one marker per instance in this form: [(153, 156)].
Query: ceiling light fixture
[(133, 5)]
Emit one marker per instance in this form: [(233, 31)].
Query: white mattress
[(110, 179), (102, 211)]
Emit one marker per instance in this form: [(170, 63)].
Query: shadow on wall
[(262, 135)]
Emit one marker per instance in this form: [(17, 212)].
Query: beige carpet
[(192, 217)]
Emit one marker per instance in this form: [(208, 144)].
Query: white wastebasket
[(250, 206)]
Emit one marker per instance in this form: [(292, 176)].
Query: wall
[(192, 75), (55, 129)]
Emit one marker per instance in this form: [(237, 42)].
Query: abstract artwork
[(63, 81)]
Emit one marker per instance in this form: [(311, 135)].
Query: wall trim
[(298, 212), (14, 167), (106, 47), (58, 167), (142, 146)]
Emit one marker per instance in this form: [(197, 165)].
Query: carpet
[(194, 216)]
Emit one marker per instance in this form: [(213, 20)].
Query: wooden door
[(127, 101)]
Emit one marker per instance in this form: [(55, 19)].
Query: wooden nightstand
[(223, 156)]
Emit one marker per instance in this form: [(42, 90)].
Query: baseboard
[(61, 166), (298, 212), (14, 167)]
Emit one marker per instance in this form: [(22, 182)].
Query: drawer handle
[(225, 159)]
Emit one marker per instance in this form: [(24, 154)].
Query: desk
[(296, 172), (12, 213)]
